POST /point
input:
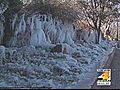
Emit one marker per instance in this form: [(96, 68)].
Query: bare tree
[(98, 12)]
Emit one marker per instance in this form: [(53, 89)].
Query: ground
[(30, 66)]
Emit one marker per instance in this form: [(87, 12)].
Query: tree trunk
[(8, 32), (98, 36), (13, 7)]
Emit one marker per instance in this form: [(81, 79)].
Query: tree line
[(96, 13)]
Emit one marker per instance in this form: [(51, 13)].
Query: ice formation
[(38, 36), (2, 53), (3, 7), (46, 30)]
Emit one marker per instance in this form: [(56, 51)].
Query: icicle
[(41, 33), (2, 53), (32, 23), (100, 38), (22, 25), (69, 38), (48, 38), (91, 38), (1, 32), (28, 20), (14, 21), (51, 31), (38, 37), (62, 37), (67, 49), (3, 8)]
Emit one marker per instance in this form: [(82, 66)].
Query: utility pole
[(117, 30), (117, 26)]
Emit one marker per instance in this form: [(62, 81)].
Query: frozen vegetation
[(35, 66), (44, 53)]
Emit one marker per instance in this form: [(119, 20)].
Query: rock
[(41, 69), (85, 60), (26, 50), (64, 48), (2, 52), (67, 49), (57, 71), (76, 55), (60, 69), (57, 48), (9, 52)]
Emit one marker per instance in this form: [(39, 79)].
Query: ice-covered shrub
[(2, 53)]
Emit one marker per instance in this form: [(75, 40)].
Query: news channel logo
[(104, 77)]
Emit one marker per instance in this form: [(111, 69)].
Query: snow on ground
[(31, 66)]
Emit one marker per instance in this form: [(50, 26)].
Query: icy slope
[(38, 67)]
